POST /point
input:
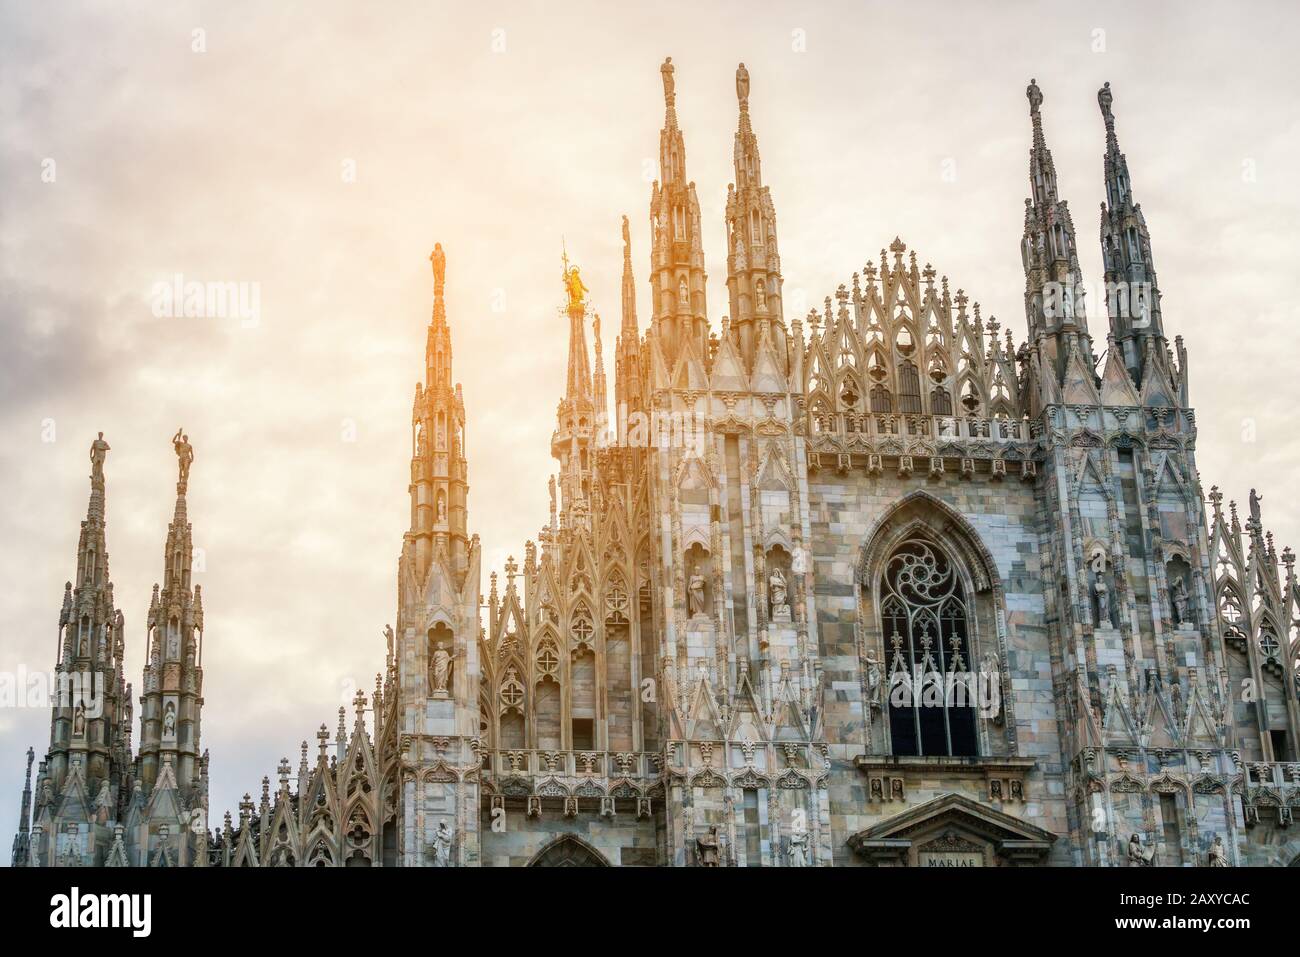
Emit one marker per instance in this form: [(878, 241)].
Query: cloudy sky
[(317, 151)]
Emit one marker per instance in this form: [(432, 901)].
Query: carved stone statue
[(79, 720), (798, 850), (683, 294), (1139, 856), (742, 86), (777, 592), (441, 671), (1178, 594), (1217, 856), (103, 803), (388, 636), (666, 71), (1254, 506), (873, 680), (706, 847), (1035, 96), (1103, 602), (169, 721), (439, 261), (1104, 99), (184, 455), (442, 509), (695, 593), (442, 845), (99, 450)]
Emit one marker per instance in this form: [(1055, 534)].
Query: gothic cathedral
[(871, 586)]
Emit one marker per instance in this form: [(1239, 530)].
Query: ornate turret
[(173, 676), (575, 418), (627, 372), (439, 472), (677, 277), (1054, 300), (1133, 297), (753, 263)]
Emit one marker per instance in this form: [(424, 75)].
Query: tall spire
[(677, 254), (575, 418), (1054, 300), (753, 262), (22, 840), (91, 632), (173, 674), (627, 370), (1133, 298), (439, 485)]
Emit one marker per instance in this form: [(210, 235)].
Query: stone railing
[(914, 426), (541, 762)]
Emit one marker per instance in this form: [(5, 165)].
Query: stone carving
[(169, 720), (798, 849), (441, 670), (1138, 855), (742, 86), (442, 839), (695, 593), (103, 803), (1103, 603), (99, 450), (777, 592), (184, 457), (1178, 595), (79, 720), (1255, 500), (1217, 855), (707, 847)]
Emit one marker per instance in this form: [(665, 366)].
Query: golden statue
[(576, 288)]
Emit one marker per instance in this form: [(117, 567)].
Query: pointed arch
[(568, 851)]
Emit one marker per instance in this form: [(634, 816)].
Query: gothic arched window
[(909, 388), (931, 689)]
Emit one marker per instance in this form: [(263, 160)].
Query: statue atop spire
[(573, 283), (185, 458), (1104, 100), (742, 87), (439, 261), (666, 70), (1035, 96), (99, 450)]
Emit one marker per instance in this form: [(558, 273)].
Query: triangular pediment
[(955, 826)]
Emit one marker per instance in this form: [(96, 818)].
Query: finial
[(742, 87), (439, 261), (666, 70), (1035, 96)]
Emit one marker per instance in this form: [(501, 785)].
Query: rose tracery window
[(927, 653)]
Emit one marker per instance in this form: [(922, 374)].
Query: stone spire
[(677, 255), (439, 471), (1133, 299), (571, 443), (753, 262), (22, 840), (173, 674), (1054, 300), (84, 726), (627, 370)]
